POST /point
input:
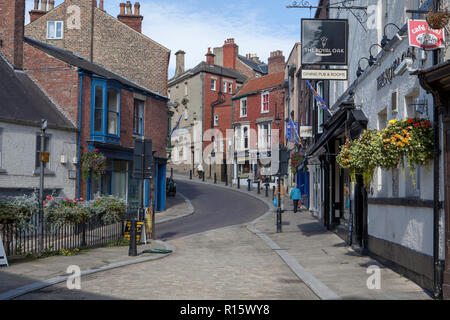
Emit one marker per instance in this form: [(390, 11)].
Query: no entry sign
[(422, 36)]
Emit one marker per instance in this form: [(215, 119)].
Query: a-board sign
[(139, 228), (3, 259)]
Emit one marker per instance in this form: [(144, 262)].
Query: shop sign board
[(324, 74), (422, 36), (324, 42), (306, 132)]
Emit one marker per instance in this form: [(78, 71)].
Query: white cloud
[(182, 27)]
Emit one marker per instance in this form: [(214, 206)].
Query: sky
[(194, 25)]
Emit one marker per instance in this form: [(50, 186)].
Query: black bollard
[(132, 251), (273, 192), (190, 174), (267, 190), (248, 184), (215, 178), (239, 182), (171, 172), (226, 180), (259, 187), (203, 176)]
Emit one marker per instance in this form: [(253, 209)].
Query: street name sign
[(321, 74)]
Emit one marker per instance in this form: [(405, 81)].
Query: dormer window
[(55, 29)]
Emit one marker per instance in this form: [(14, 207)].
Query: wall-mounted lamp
[(360, 71), (372, 60), (385, 39)]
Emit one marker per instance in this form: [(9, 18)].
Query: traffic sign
[(44, 156)]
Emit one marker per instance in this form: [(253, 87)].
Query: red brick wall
[(156, 124), (12, 15), (59, 80), (230, 53), (254, 110), (244, 69)]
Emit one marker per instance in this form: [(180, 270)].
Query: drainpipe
[(436, 207), (79, 135)]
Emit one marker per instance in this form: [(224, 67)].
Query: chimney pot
[(122, 9), (129, 8), (36, 4), (210, 57), (137, 7), (179, 69), (44, 5), (101, 5), (51, 4)]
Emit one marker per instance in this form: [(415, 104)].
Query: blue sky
[(194, 25)]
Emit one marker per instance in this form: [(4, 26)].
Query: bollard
[(132, 251), (203, 176), (267, 190), (215, 178), (239, 182), (248, 184), (171, 172), (279, 230), (226, 180), (259, 187), (273, 192), (190, 174)]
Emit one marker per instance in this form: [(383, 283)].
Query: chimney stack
[(179, 69), (36, 13), (210, 57), (134, 21), (101, 5), (12, 21), (276, 62), (230, 53)]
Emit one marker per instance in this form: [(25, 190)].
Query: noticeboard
[(324, 42), (139, 228)]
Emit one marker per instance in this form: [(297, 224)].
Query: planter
[(438, 20)]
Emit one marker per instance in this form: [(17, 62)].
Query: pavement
[(242, 261), (321, 259), (29, 274)]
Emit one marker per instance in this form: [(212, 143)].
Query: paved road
[(227, 263), (215, 207)]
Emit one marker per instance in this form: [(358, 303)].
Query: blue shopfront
[(303, 183)]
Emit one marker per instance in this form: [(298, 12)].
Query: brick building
[(257, 109), (116, 44), (109, 112), (202, 99)]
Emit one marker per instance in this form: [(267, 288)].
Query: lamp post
[(279, 229), (41, 186)]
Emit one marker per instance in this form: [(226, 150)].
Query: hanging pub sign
[(422, 36), (324, 42)]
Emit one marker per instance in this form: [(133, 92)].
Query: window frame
[(55, 37), (138, 119), (265, 94), (216, 120), (104, 134), (213, 84), (241, 101)]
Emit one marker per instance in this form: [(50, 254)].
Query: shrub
[(109, 209)]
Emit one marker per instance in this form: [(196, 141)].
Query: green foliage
[(19, 210), (92, 162), (59, 212), (109, 208), (296, 159), (410, 138)]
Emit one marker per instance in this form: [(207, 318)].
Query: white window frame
[(213, 84), (230, 87), (216, 120), (242, 101), (263, 94), (243, 137), (264, 138), (225, 87), (55, 37)]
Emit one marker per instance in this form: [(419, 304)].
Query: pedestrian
[(283, 193), (295, 195), (200, 170)]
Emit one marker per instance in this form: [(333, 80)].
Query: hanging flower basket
[(411, 139), (438, 20), (93, 162), (296, 160)]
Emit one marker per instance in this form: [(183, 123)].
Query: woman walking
[(295, 195)]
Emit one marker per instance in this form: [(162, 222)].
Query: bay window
[(105, 124)]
